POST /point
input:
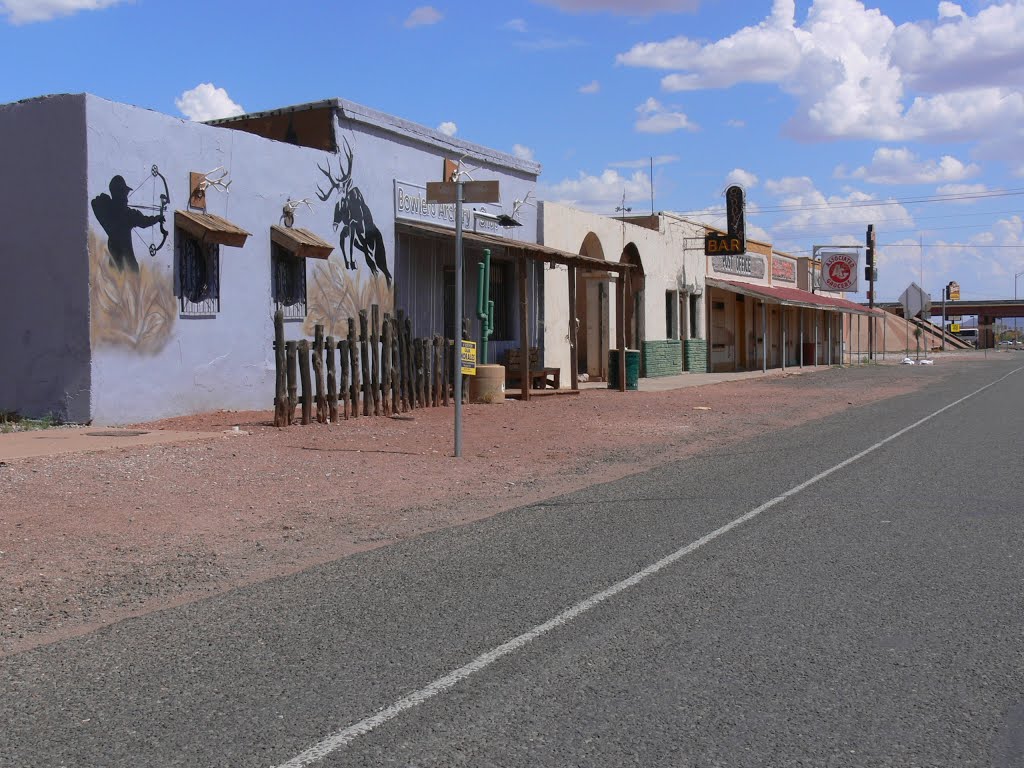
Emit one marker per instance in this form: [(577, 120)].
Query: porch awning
[(529, 250), (793, 297), (210, 228), (300, 241)]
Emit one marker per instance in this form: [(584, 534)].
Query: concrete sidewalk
[(686, 380), (58, 440)]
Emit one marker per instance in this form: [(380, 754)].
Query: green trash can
[(632, 369)]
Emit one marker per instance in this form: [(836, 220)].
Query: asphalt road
[(873, 617)]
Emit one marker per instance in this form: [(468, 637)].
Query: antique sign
[(745, 264), (839, 271)]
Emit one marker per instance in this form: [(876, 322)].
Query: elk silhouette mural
[(353, 219)]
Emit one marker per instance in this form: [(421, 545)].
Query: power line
[(872, 203)]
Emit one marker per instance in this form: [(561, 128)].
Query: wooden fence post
[(396, 371), (375, 356), (364, 350), (281, 370), (332, 381), (436, 365), (291, 349), (385, 359), (353, 352), (307, 385), (318, 373), (345, 388), (446, 368)]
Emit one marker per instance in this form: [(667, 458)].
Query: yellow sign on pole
[(954, 327), (469, 358)]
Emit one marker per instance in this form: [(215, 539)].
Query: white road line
[(346, 736)]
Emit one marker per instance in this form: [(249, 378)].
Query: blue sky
[(832, 114)]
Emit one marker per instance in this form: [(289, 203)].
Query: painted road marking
[(347, 735)]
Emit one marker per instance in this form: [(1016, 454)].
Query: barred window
[(198, 276), (289, 282), (503, 296)]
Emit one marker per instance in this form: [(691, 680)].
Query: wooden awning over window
[(301, 242), (210, 228)]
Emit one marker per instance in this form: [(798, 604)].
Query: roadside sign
[(469, 358), (915, 301), (954, 327), (472, 192)]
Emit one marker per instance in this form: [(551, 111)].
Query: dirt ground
[(90, 538)]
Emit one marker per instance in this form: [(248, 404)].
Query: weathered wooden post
[(307, 385), (385, 355), (345, 387), (410, 361), (446, 368), (396, 371), (332, 381), (353, 352), (318, 373), (292, 350), (436, 365), (281, 371), (364, 351), (375, 351)]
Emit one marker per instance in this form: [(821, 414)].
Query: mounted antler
[(335, 183)]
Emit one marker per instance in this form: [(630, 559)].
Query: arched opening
[(592, 313), (634, 311)]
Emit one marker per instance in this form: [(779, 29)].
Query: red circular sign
[(838, 272)]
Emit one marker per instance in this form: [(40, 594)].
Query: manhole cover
[(117, 433)]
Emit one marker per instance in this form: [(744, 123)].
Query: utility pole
[(870, 274)]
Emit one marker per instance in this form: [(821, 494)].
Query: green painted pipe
[(484, 305)]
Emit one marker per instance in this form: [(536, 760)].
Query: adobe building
[(150, 252), (662, 313)]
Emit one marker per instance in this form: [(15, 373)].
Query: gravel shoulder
[(88, 539)]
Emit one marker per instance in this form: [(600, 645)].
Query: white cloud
[(27, 11), (516, 25), (207, 102), (901, 166), (657, 118), (948, 10), (841, 216), (592, 87), (423, 16), (625, 7), (967, 190), (601, 193), (745, 179), (646, 162), (448, 128), (736, 123), (856, 74), (522, 152)]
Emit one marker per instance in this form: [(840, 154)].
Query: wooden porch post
[(573, 352), (524, 328), (620, 328)]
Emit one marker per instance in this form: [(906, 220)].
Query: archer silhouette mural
[(131, 305), (352, 218), (120, 218)]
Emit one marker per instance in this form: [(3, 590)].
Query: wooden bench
[(540, 377)]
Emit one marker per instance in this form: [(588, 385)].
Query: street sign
[(469, 358), (915, 301), (954, 327), (472, 192)]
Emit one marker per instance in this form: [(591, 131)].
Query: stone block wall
[(661, 358), (695, 355)]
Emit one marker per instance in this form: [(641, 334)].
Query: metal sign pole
[(458, 319)]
